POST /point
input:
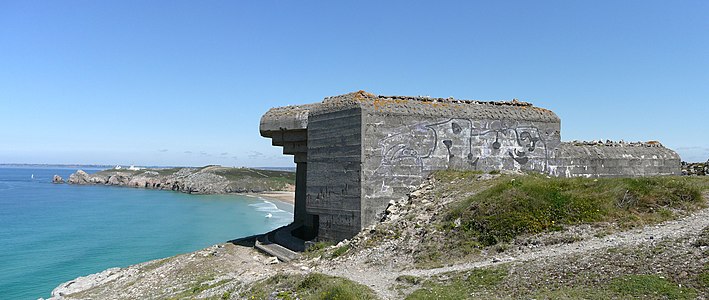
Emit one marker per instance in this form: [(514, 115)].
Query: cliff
[(206, 180)]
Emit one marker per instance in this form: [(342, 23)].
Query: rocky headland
[(205, 180)]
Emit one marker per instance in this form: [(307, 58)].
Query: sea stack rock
[(57, 179), (80, 177)]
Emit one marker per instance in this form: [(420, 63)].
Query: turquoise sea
[(52, 233)]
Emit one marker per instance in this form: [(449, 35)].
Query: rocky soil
[(207, 180), (218, 271)]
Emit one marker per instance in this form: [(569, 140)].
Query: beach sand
[(288, 197)]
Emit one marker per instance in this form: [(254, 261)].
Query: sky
[(184, 83)]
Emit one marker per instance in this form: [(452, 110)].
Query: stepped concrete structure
[(357, 152)]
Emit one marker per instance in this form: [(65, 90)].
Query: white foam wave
[(266, 206)]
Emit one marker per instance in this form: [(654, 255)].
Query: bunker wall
[(616, 160), (400, 151), (334, 178)]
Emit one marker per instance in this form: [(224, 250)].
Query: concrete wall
[(334, 177), (402, 150), (615, 160)]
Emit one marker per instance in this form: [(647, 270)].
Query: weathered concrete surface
[(360, 151), (614, 159)]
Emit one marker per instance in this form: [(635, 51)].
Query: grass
[(461, 286), (703, 280), (534, 204), (650, 286), (317, 249), (340, 250), (238, 173), (487, 283), (200, 285), (308, 287)]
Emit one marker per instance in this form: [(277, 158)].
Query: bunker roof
[(296, 117)]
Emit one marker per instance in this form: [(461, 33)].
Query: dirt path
[(382, 280)]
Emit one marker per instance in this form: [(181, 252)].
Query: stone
[(80, 177), (271, 260), (57, 179)]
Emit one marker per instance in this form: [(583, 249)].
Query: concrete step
[(282, 253)]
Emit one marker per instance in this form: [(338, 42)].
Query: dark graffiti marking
[(407, 152)]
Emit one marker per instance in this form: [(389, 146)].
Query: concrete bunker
[(356, 152)]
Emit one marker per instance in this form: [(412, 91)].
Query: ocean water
[(52, 233)]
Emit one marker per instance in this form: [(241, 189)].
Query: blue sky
[(185, 83)]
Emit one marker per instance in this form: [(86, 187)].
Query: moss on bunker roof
[(295, 117), (435, 107)]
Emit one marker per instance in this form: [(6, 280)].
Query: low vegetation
[(460, 286), (311, 286), (531, 204), (237, 179), (240, 173), (488, 283)]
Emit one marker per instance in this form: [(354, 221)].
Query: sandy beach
[(288, 197)]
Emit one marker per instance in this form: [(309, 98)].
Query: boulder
[(97, 179), (57, 179), (119, 179), (80, 177)]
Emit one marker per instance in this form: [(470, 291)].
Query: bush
[(533, 204)]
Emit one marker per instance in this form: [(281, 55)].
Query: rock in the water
[(80, 177), (57, 179)]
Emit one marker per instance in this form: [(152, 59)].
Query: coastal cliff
[(205, 180)]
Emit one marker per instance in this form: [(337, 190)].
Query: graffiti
[(410, 151)]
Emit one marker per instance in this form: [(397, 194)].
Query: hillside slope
[(205, 180), (470, 235)]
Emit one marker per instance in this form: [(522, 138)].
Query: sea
[(53, 233)]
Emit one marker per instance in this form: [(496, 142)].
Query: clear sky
[(186, 82)]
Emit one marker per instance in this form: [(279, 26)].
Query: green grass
[(461, 286), (317, 250), (534, 204), (340, 250), (239, 173), (318, 246), (488, 283), (703, 280), (308, 287), (262, 179), (650, 286), (200, 285)]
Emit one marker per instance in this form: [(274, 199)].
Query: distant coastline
[(268, 184), (91, 166)]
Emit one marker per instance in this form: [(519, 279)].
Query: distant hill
[(204, 180)]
